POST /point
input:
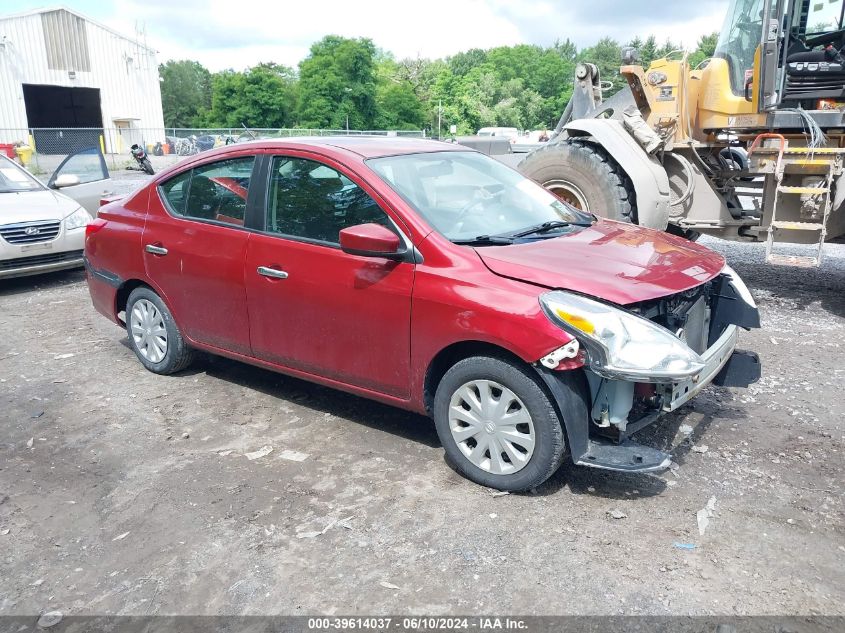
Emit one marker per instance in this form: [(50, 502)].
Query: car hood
[(616, 262), (31, 206)]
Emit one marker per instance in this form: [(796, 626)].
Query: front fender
[(651, 183)]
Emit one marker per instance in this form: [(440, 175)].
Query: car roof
[(364, 146)]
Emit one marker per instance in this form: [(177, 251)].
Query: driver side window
[(88, 165), (313, 201)]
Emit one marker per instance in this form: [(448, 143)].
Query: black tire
[(577, 164), (148, 166), (550, 445), (177, 355)]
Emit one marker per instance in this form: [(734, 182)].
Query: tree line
[(349, 82)]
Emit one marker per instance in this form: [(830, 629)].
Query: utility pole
[(439, 116), (347, 90)]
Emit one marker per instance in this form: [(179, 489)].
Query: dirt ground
[(123, 492)]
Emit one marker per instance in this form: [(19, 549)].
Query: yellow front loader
[(748, 146)]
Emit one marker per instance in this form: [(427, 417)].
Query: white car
[(510, 133), (42, 228)]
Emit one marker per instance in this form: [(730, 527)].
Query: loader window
[(739, 39), (823, 16)]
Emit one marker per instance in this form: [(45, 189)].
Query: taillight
[(94, 226)]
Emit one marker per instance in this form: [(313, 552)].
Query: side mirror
[(371, 240), (66, 180)]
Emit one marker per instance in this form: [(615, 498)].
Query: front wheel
[(497, 425), (147, 166)]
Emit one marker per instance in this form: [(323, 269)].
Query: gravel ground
[(123, 492)]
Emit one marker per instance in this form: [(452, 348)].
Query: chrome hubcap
[(491, 427), (148, 332)]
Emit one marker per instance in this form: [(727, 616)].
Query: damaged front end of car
[(642, 361)]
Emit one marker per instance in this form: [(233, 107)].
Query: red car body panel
[(341, 316), (368, 325), (457, 300), (621, 263), (122, 251), (201, 278)]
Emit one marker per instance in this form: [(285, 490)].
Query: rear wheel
[(582, 174), (153, 334), (497, 425)]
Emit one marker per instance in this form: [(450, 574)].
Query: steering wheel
[(482, 195)]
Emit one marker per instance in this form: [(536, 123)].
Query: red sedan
[(430, 277)]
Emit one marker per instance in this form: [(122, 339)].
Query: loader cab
[(739, 40), (814, 56), (785, 53)]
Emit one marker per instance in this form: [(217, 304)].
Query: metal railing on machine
[(41, 150)]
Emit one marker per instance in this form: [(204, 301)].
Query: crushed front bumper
[(600, 425), (724, 366), (717, 356)]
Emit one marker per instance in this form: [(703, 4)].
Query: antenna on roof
[(141, 49)]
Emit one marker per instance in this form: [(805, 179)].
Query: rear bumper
[(103, 287)]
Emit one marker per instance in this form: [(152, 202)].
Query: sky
[(240, 33)]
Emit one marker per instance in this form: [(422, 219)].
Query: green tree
[(648, 51), (566, 50), (521, 86), (399, 108), (397, 103), (185, 92), (337, 80), (262, 96), (607, 55), (461, 63), (705, 50)]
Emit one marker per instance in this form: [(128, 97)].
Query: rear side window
[(217, 191), (313, 201), (175, 191)]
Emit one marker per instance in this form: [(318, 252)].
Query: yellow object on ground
[(24, 153)]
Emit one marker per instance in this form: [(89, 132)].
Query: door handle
[(155, 250), (272, 272)]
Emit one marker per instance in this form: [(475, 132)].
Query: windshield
[(14, 179), (464, 195), (739, 39)]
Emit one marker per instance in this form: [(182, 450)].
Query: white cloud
[(226, 34)]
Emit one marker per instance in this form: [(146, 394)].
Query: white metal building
[(59, 69)]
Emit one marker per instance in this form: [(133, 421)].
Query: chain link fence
[(41, 150)]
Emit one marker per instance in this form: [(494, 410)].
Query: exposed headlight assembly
[(77, 219), (621, 345)]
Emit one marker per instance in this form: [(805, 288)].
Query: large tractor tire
[(582, 174)]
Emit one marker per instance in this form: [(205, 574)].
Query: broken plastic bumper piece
[(627, 456)]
